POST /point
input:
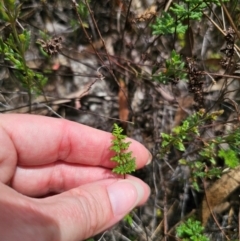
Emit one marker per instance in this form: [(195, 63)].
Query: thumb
[(87, 210)]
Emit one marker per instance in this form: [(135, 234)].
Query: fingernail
[(124, 196), (149, 158)]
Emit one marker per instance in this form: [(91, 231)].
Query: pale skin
[(56, 182)]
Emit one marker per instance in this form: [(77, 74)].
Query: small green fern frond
[(125, 162), (128, 167)]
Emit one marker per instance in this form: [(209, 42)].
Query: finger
[(73, 215), (42, 140), (56, 178), (21, 219), (90, 209), (8, 156)]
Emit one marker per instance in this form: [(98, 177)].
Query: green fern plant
[(167, 25), (173, 21), (191, 230), (125, 162)]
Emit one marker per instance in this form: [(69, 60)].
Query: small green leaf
[(182, 161), (230, 157), (115, 148), (179, 145), (3, 15), (25, 37), (128, 219), (165, 136)]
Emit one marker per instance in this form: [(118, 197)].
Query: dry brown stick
[(125, 25), (222, 75), (230, 19), (239, 223), (155, 235), (103, 42), (98, 31), (85, 32), (165, 210), (139, 75), (222, 31), (90, 41), (211, 211)]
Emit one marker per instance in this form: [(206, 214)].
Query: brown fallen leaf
[(218, 192), (147, 14)]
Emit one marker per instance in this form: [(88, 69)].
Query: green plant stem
[(21, 52)]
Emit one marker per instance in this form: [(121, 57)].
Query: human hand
[(42, 156)]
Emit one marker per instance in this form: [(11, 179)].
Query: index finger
[(40, 140)]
